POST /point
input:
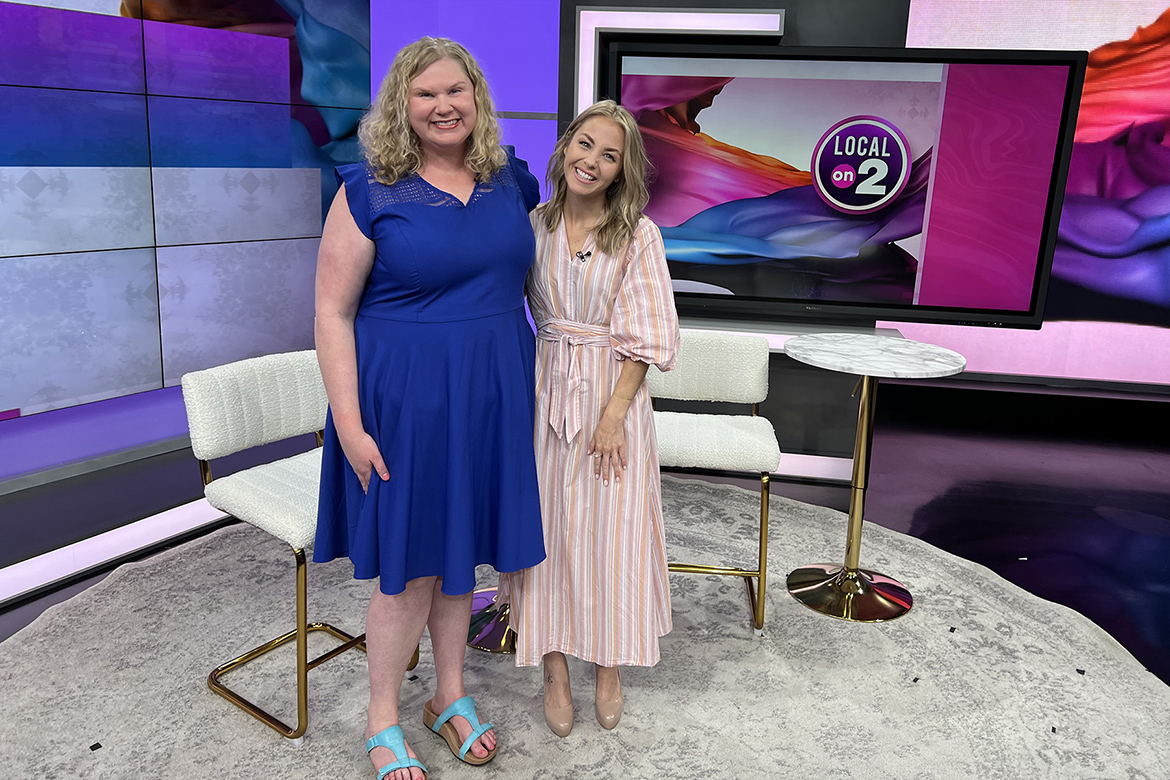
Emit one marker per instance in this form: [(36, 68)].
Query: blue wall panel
[(190, 133), (72, 128)]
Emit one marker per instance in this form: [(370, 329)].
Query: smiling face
[(593, 158), (441, 105)]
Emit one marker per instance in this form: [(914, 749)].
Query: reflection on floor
[(1069, 498)]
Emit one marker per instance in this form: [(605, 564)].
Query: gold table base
[(859, 595), (490, 629), (847, 591)]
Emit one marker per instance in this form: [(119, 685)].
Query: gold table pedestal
[(490, 629), (861, 596), (849, 592)]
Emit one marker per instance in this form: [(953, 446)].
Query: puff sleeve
[(644, 323), (525, 181), (356, 180)]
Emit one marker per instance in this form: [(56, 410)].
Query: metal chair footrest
[(215, 683), (748, 576), (702, 568)]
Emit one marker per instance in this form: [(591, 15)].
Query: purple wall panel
[(44, 441), (190, 61), (48, 47), (996, 146), (515, 43)]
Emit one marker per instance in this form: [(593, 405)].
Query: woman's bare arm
[(343, 265)]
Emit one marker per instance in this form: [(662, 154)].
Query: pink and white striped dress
[(601, 594)]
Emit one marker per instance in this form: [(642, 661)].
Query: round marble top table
[(847, 591), (881, 356)]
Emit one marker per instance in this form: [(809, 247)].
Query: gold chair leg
[(758, 612), (300, 635), (302, 645), (755, 590)]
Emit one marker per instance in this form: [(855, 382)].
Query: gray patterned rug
[(980, 680)]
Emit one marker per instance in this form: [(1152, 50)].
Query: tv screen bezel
[(772, 309)]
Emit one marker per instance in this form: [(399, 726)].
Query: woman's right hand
[(362, 453)]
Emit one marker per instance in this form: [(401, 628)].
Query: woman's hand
[(608, 445), (362, 453), (608, 448)]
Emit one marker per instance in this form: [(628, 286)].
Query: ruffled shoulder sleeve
[(356, 180), (644, 323), (525, 181)]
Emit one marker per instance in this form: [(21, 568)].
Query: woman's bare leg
[(449, 620), (394, 626), (558, 693), (609, 684)]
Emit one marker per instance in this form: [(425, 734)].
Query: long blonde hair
[(389, 143), (626, 196)]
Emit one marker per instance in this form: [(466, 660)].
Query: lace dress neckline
[(446, 198)]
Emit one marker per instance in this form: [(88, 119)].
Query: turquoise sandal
[(440, 724), (392, 739)]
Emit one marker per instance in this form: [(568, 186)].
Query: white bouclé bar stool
[(725, 368), (246, 404)]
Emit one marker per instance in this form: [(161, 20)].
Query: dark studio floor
[(1067, 497)]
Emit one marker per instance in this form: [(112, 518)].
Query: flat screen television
[(854, 184)]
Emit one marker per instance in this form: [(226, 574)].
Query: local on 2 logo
[(861, 164)]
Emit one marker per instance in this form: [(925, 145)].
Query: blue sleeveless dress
[(445, 360)]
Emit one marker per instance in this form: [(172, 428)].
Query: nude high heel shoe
[(559, 719), (609, 712)]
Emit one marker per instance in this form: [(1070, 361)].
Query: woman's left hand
[(608, 448)]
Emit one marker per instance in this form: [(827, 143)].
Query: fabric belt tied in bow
[(564, 406)]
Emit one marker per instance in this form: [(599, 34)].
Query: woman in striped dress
[(600, 294)]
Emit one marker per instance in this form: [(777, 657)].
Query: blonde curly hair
[(626, 196), (391, 146)]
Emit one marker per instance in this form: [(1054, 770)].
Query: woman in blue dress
[(428, 362)]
